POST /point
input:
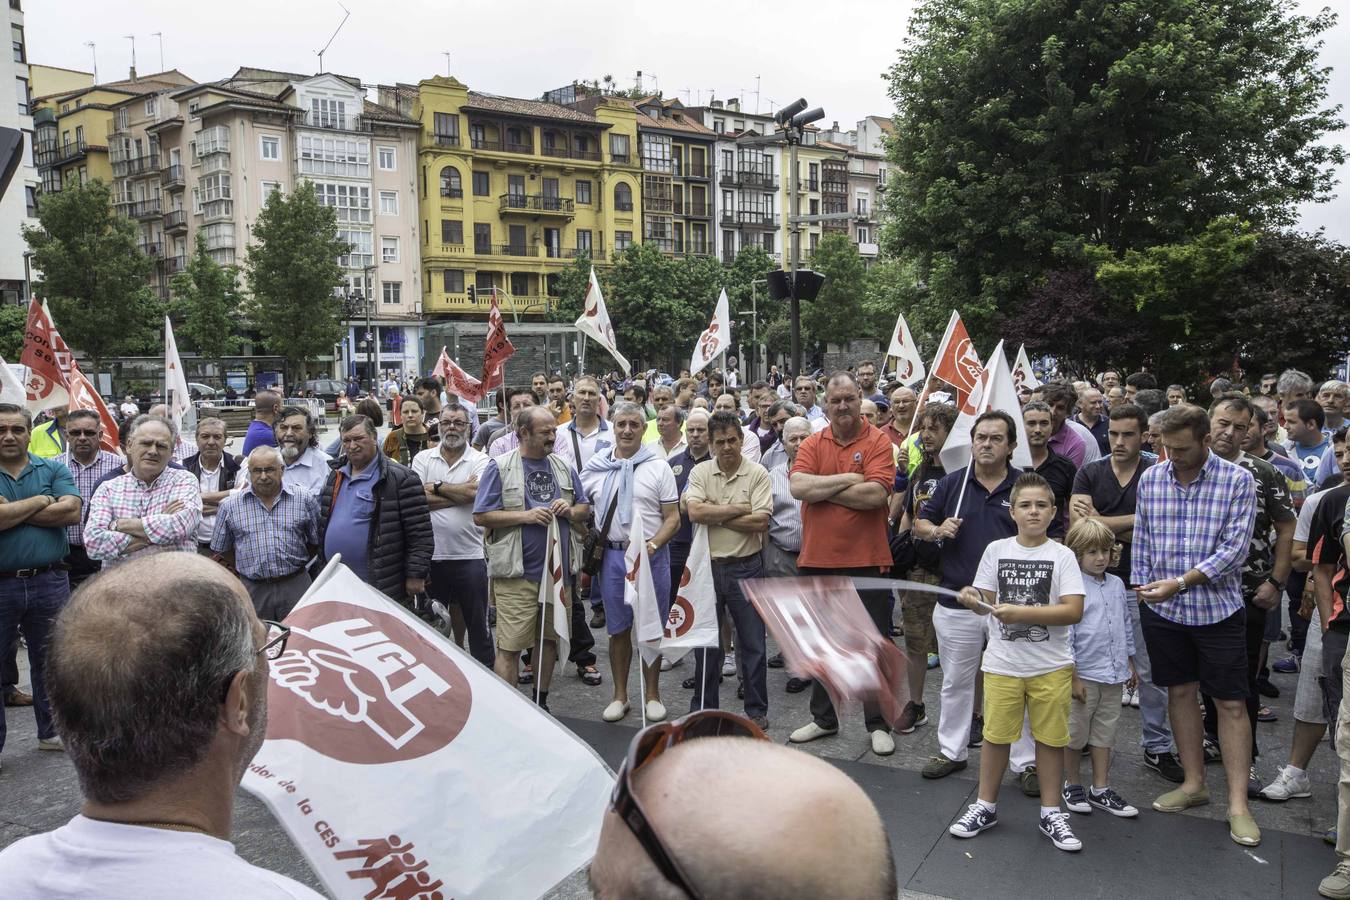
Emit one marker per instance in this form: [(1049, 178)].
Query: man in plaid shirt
[(88, 465), (1192, 530), (152, 507)]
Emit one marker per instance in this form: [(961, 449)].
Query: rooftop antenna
[(688, 96), (346, 14), (132, 38), (446, 54), (757, 95), (160, 35), (93, 51), (639, 80)]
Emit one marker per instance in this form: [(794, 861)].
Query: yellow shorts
[(1042, 698), (518, 614)]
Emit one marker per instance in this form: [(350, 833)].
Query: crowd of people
[(1144, 559)]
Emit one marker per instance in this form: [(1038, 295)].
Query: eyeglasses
[(274, 644), (650, 743)]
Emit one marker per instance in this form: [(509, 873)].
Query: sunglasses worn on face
[(650, 743)]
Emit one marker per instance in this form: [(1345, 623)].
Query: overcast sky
[(833, 54)]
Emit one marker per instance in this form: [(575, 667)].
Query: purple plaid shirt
[(1205, 525), (86, 479), (127, 497), (268, 543)]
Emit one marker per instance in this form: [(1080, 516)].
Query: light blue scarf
[(618, 476)]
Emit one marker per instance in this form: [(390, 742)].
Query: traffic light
[(473, 293)]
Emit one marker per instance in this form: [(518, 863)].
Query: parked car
[(201, 391), (325, 389)]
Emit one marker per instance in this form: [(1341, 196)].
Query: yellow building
[(815, 164), (512, 191), (70, 128)]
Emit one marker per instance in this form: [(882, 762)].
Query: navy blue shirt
[(681, 464), (985, 518), (349, 519)]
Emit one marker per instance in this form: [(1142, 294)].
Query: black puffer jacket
[(400, 542)]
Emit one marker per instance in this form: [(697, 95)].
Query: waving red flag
[(456, 380), (83, 396), (497, 349), (44, 353)]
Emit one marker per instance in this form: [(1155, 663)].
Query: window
[(16, 33), (728, 203), (360, 255), (719, 125), (864, 236), (584, 240), (583, 191), (388, 203), (623, 240), (862, 206), (452, 231), (269, 188), (209, 140), (151, 105), (351, 201), (219, 236), (740, 125), (193, 106), (477, 135), (386, 157), (815, 207), (271, 147), (452, 281), (728, 160), (482, 238), (334, 156), (327, 113), (451, 186), (623, 197), (393, 292), (31, 197), (618, 148), (446, 128), (482, 185), (21, 91), (214, 187)]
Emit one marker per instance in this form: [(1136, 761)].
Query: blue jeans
[(33, 604), (1155, 735), (751, 639)]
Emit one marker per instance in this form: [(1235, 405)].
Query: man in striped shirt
[(1192, 530), (88, 465), (153, 507)]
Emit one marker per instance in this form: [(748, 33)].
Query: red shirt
[(834, 536)]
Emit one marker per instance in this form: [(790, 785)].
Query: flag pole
[(642, 680), (965, 481)]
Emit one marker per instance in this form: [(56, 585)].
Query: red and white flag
[(11, 388), (956, 362), (45, 355), (553, 592), (692, 622), (401, 768), (176, 395), (496, 350), (908, 364), (715, 339), (1023, 374), (84, 396), (594, 321), (639, 592), (995, 391), (456, 380)]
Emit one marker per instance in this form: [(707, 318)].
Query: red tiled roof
[(536, 109)]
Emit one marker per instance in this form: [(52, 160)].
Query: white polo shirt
[(653, 484), (456, 537)]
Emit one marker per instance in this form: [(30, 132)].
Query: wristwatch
[(1279, 585), (652, 548), (437, 488), (1181, 586)]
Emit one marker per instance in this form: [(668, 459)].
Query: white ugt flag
[(692, 622), (402, 768), (595, 322), (553, 590), (175, 381), (995, 391), (11, 388), (909, 365), (1022, 371), (639, 592), (715, 339)]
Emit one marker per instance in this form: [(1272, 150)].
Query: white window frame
[(269, 186), (150, 105), (392, 208), (391, 293), (389, 249), (393, 158), (266, 140)]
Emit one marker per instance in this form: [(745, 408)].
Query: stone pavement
[(1187, 855)]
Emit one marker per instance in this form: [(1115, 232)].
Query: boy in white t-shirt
[(1036, 592)]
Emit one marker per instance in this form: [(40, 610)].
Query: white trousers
[(960, 637)]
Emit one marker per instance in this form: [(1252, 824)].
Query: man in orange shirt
[(843, 477)]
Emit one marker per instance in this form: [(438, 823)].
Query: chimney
[(716, 104), (734, 104), (133, 73), (835, 126)]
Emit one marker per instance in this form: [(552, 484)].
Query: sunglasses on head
[(647, 745)]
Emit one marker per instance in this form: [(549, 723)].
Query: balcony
[(752, 218), (620, 159), (657, 204), (45, 153), (175, 220), (445, 140), (537, 205), (704, 172), (502, 146), (697, 210), (808, 184), (439, 303), (334, 121), (174, 264), (623, 205), (151, 249), (868, 249), (665, 245), (135, 166), (758, 179), (171, 178), (144, 209), (514, 250), (571, 153)]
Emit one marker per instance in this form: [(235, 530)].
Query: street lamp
[(794, 118)]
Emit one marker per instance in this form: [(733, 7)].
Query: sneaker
[(974, 820), (729, 664), (1029, 781), (913, 716), (776, 661), (1075, 798), (1337, 884), (810, 732), (1287, 786), (1055, 826), (1265, 688), (1254, 783), (1212, 752), (882, 743), (933, 661), (1112, 802), (1166, 765), (940, 766), (598, 617), (1134, 698), (51, 743), (1329, 836), (976, 732), (1125, 694), (1287, 666)]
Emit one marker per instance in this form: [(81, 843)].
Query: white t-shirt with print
[(1029, 576)]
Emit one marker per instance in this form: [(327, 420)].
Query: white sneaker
[(51, 743), (811, 731), (882, 743), (729, 664), (1287, 786), (1134, 698), (656, 711), (1125, 696), (615, 711), (666, 664)]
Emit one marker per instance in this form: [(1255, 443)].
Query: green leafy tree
[(642, 305), (571, 287), (1026, 129), (13, 317), (836, 315), (293, 276), (94, 275), (208, 303)]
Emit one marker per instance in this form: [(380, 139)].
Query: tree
[(644, 308), (94, 275), (1026, 129), (836, 315), (208, 303), (572, 285), (13, 318), (293, 276), (752, 264)]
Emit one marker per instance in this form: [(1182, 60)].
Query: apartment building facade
[(512, 191), (678, 168), (749, 183), (18, 206)]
